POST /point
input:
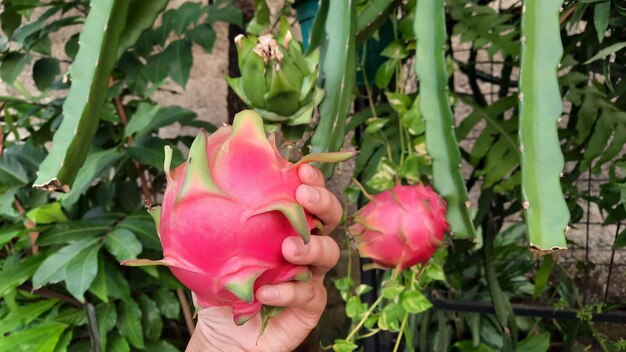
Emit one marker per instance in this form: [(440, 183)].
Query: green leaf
[(384, 73), (390, 317), (167, 116), (534, 343), (141, 16), (11, 66), (224, 11), (149, 151), (542, 275), (435, 272), (7, 209), (118, 344), (414, 301), (94, 166), (25, 314), (129, 322), (99, 285), (13, 277), (71, 46), (344, 346), (181, 59), (12, 172), (362, 289), (161, 346), (185, 15), (151, 318), (399, 102), (72, 316), (53, 269), (81, 271), (123, 244), (157, 68), (395, 50), (601, 14), (10, 20), (204, 36), (606, 52), (107, 316), (70, 232), (354, 307), (42, 337), (392, 291), (142, 225), (468, 346), (8, 233), (64, 341), (45, 71), (374, 125), (47, 214), (168, 303), (620, 241), (141, 118), (117, 286)]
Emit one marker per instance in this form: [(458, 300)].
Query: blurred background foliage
[(90, 121)]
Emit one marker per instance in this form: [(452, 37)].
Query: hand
[(304, 302)]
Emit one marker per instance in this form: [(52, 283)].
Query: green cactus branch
[(441, 144), (540, 108), (372, 18), (90, 71), (338, 70), (140, 17)]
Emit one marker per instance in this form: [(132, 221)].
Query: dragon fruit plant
[(401, 226), (225, 213), (277, 80)]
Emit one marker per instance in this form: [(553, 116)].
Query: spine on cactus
[(540, 107), (225, 213), (82, 107), (441, 144), (338, 71)]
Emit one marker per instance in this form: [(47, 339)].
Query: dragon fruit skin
[(225, 213), (401, 226)]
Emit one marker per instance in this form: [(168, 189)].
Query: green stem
[(367, 314), (402, 327), (368, 90)]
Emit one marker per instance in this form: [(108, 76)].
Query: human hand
[(304, 302)]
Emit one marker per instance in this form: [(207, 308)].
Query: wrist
[(205, 339)]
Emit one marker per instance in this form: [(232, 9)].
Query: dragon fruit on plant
[(401, 226), (226, 212)]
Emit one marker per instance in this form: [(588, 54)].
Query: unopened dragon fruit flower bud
[(226, 212), (277, 80), (401, 226)]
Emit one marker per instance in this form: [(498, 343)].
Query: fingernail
[(312, 195), (298, 247), (270, 293)]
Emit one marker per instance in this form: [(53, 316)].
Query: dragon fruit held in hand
[(226, 212), (401, 226)]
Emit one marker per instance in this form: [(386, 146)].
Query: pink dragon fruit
[(401, 226), (226, 212)]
